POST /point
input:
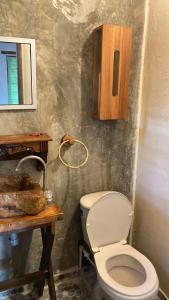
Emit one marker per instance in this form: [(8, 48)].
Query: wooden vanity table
[(46, 222), (13, 147)]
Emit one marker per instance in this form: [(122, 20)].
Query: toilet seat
[(111, 252)]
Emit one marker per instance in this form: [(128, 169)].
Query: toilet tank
[(86, 202)]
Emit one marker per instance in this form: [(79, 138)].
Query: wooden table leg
[(51, 284), (46, 264)]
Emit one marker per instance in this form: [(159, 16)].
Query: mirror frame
[(33, 73)]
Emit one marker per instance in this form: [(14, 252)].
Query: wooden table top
[(23, 138), (51, 214)]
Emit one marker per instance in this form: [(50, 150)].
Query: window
[(12, 78)]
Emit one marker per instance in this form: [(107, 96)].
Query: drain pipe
[(7, 241), (5, 262), (5, 257), (14, 240)]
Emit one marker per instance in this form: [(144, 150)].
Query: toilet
[(122, 271)]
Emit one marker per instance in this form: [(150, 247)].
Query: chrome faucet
[(44, 165)]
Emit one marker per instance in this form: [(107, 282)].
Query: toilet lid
[(109, 220)]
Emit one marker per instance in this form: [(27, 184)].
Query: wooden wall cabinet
[(112, 56)]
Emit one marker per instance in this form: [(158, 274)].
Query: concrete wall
[(152, 190), (62, 30)]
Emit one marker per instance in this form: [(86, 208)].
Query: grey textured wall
[(62, 30)]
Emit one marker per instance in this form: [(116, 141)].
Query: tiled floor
[(76, 286), (79, 286)]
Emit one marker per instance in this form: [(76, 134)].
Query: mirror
[(17, 74)]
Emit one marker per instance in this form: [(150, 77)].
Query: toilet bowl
[(123, 272)]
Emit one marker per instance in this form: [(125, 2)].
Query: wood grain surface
[(108, 40), (24, 138), (51, 214)]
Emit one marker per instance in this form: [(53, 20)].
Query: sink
[(19, 195)]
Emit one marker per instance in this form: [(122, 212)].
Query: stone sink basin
[(19, 195)]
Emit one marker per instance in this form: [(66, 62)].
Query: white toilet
[(122, 271)]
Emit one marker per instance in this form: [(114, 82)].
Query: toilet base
[(99, 294)]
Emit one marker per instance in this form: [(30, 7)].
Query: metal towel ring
[(67, 164)]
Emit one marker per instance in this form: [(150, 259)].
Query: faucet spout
[(44, 166)]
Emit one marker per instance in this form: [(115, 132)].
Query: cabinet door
[(112, 54)]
